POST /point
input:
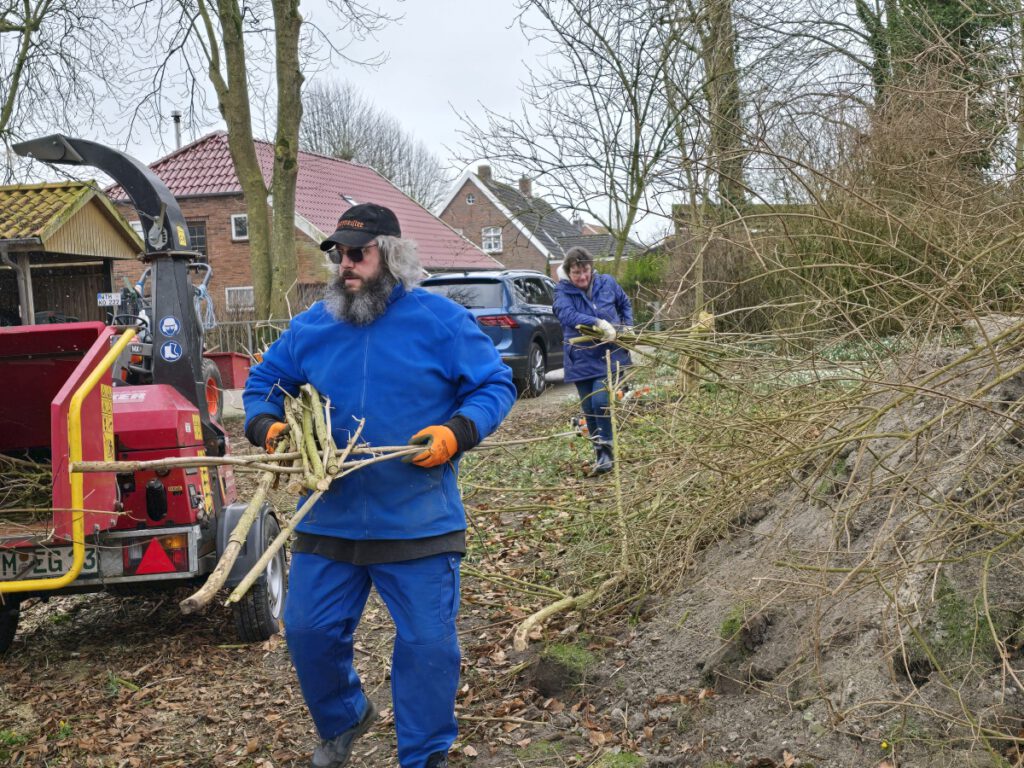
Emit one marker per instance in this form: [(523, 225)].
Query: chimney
[(176, 117), (484, 172), (525, 186), (577, 221)]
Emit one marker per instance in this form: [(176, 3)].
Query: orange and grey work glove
[(264, 431), (275, 433), (443, 441)]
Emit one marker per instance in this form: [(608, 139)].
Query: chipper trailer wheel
[(213, 389), (258, 614), (9, 615)]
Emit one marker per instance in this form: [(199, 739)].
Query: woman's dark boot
[(605, 460)]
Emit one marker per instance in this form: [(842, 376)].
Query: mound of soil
[(868, 613)]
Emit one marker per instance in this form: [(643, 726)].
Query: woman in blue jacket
[(587, 297)]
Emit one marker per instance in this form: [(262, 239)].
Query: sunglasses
[(355, 255)]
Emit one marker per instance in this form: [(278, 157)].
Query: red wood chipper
[(70, 399)]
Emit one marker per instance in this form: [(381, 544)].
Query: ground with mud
[(787, 643)]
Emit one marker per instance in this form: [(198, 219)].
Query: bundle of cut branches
[(307, 457), (25, 490)]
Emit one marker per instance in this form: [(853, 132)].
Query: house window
[(470, 198), (137, 226), (491, 239), (240, 297), (197, 235), (239, 226)]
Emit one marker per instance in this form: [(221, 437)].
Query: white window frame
[(237, 290), (235, 218), (490, 239), (470, 198), (137, 226)]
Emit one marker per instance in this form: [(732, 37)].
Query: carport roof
[(38, 211)]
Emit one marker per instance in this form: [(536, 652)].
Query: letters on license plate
[(42, 562)]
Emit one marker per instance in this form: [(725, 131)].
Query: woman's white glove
[(607, 330)]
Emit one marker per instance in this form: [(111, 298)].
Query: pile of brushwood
[(863, 497), (24, 491)]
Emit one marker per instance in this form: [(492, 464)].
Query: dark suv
[(513, 307)]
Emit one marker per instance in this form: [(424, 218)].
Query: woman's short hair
[(577, 256)]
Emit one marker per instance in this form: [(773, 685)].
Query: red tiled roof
[(326, 187)]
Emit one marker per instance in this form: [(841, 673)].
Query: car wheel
[(533, 382), (9, 615), (258, 614), (213, 390)]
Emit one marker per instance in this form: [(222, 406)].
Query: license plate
[(42, 562), (108, 299)]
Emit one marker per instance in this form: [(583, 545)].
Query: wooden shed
[(58, 243)]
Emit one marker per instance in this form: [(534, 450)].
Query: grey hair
[(576, 255), (401, 259)]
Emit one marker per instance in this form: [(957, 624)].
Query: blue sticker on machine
[(170, 351), (170, 326)]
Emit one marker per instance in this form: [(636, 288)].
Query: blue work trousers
[(325, 602), (594, 400)]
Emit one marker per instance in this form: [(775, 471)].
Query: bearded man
[(417, 368)]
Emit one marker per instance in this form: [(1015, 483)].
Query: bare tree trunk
[(722, 88), (284, 270), (233, 103), (271, 240)]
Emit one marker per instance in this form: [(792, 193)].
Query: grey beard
[(360, 307)]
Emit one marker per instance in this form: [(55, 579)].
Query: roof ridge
[(189, 147), (322, 156), (50, 184)]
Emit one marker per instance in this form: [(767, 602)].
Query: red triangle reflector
[(155, 560)]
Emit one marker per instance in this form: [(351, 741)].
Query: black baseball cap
[(362, 223)]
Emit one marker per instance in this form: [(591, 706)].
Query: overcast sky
[(443, 57), (446, 56)]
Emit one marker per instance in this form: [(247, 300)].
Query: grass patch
[(956, 633), (620, 760), (733, 622), (574, 658), (542, 752), (9, 741)]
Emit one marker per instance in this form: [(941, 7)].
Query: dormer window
[(470, 198)]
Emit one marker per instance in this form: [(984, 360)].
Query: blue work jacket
[(606, 300), (420, 363)]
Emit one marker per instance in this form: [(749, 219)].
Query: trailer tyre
[(213, 390), (9, 616), (258, 614)]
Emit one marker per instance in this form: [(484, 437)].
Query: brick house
[(521, 229), (202, 177)]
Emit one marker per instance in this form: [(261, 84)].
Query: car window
[(540, 292), (472, 295), (530, 290), (521, 290)]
